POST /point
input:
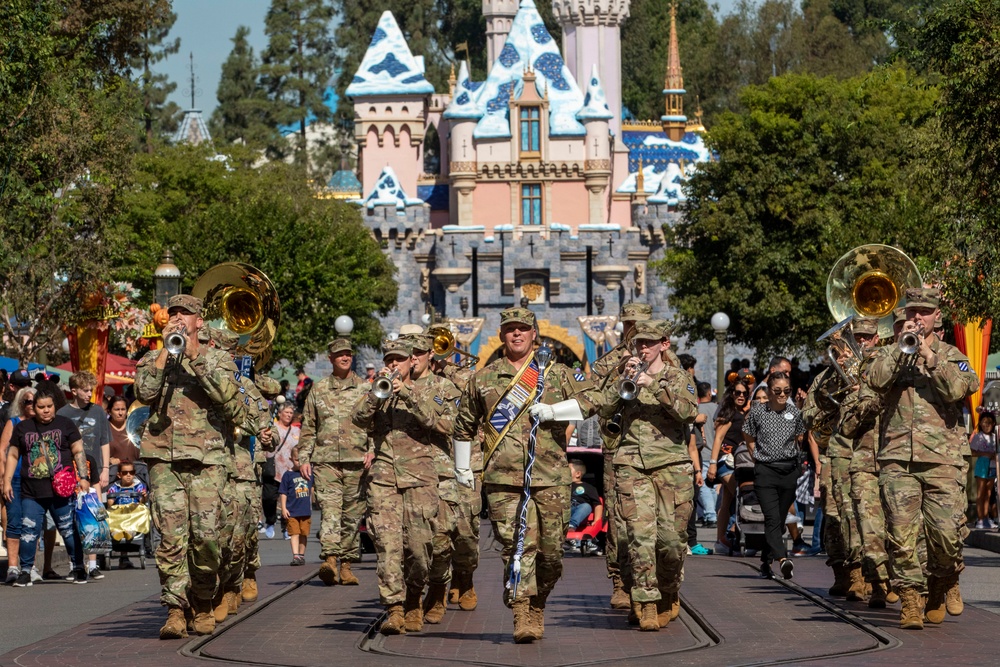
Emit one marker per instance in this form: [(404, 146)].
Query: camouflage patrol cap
[(898, 315), (338, 345), (923, 297), (636, 312), (205, 334), (666, 327), (865, 325), (519, 315), (186, 302), (224, 340), (410, 329), (422, 342), (267, 385), (648, 330), (396, 348)]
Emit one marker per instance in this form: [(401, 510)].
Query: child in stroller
[(128, 515)]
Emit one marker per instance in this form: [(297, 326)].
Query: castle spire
[(674, 121)]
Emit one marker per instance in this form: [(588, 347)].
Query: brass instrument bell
[(444, 345), (870, 281)]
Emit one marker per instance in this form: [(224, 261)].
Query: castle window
[(530, 131), (531, 204)]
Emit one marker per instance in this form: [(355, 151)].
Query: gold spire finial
[(452, 81), (674, 121), (640, 180)]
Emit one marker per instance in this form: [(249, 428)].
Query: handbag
[(268, 469), (64, 479)]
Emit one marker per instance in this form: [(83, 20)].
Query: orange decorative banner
[(88, 351), (973, 339)]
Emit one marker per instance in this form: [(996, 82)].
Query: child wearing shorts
[(295, 493)]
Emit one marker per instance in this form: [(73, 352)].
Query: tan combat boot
[(204, 620), (634, 612), (934, 608), (347, 577), (953, 596), (537, 607), (877, 600), (662, 612), (856, 589), (434, 603), (413, 614), (394, 624), (890, 595), (648, 619), (328, 571), (453, 592), (232, 602), (220, 606), (675, 605), (176, 626), (841, 580), (249, 590), (619, 597), (525, 629), (467, 599), (911, 617)]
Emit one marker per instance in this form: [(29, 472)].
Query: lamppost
[(599, 302), (720, 322), (166, 279)]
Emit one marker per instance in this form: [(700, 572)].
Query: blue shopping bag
[(92, 522)]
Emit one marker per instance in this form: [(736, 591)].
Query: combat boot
[(394, 624), (537, 607), (911, 617), (525, 629), (856, 588), (434, 603), (453, 592), (841, 580), (413, 614), (953, 596), (232, 602), (675, 605), (662, 612), (634, 612), (176, 625), (347, 577), (890, 595), (934, 609), (619, 597), (467, 598), (877, 600), (249, 590), (204, 620), (328, 571), (220, 606), (648, 618)]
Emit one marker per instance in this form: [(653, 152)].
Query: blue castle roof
[(388, 192), (595, 104), (389, 68), (463, 105)]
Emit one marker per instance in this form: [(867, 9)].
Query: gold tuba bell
[(241, 299), (870, 281), (444, 345)]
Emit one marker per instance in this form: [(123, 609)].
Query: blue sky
[(206, 28)]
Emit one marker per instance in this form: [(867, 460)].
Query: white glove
[(463, 467), (563, 411)]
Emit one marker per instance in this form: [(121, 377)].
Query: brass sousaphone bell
[(240, 299), (443, 345)]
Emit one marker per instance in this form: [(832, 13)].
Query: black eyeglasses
[(740, 393), (781, 392)]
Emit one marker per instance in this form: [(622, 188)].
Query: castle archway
[(567, 348)]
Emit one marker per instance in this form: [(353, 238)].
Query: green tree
[(159, 116), (66, 115), (296, 68), (809, 169), (240, 113), (960, 42), (322, 260)]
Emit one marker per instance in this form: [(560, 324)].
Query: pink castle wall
[(491, 205), (570, 203)]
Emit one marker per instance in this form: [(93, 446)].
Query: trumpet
[(627, 388), (175, 342), (909, 342), (382, 386)]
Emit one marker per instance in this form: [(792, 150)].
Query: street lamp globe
[(343, 325), (166, 279), (720, 322), (426, 319)]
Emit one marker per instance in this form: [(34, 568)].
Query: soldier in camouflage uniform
[(604, 372), (922, 463), (499, 397), (655, 464), (334, 452), (403, 504), (860, 416), (187, 449), (449, 498), (465, 543)]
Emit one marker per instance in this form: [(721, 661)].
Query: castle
[(535, 190)]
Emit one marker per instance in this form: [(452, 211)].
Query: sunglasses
[(28, 401), (126, 472), (740, 393), (781, 392)]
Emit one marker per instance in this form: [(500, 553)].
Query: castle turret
[(674, 121), (499, 15), (462, 115), (597, 166), (592, 36)]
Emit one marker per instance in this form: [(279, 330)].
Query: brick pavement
[(731, 617)]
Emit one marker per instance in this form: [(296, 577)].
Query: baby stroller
[(748, 529), (129, 519), (589, 534)]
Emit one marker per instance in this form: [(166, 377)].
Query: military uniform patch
[(579, 377), (691, 389), (439, 400), (963, 366)]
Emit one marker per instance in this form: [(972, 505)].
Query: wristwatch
[(712, 462)]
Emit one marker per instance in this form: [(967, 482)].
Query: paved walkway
[(730, 617)]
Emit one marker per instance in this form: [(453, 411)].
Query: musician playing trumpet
[(654, 463)]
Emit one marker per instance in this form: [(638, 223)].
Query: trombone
[(444, 346)]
